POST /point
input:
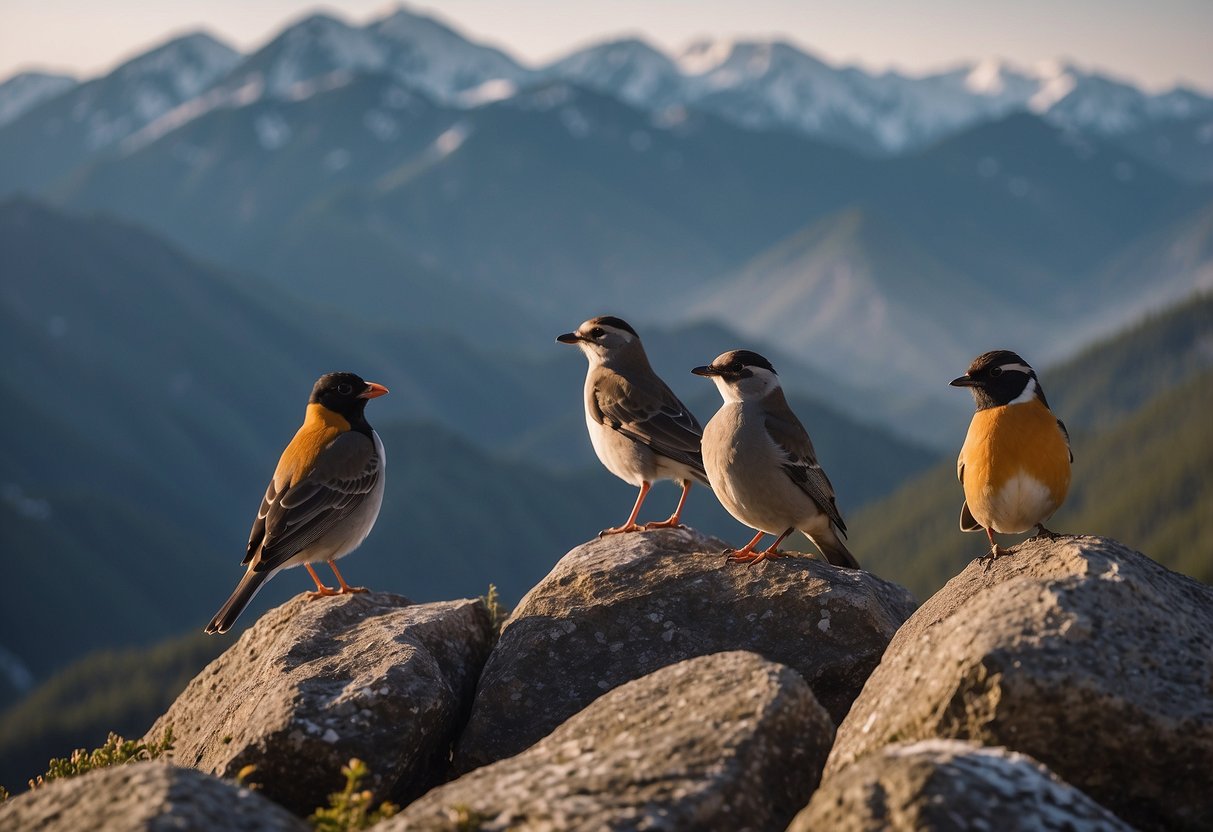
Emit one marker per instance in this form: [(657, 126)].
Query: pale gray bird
[(639, 429), (761, 463)]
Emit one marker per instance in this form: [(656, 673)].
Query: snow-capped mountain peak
[(417, 50), (26, 90), (766, 84), (629, 68), (106, 110), (703, 55)]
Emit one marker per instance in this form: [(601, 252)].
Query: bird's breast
[(1016, 466), (320, 427)]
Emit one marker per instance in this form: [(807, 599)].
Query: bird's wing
[(1066, 434), (651, 415), (291, 519), (801, 461)]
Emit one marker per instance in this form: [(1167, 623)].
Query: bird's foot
[(1041, 531), (352, 590), (750, 557), (672, 523), (322, 592), (996, 552), (630, 527)]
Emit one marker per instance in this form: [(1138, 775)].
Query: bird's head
[(998, 378), (741, 376), (603, 338), (345, 393)]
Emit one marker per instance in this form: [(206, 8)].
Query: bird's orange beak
[(373, 391)]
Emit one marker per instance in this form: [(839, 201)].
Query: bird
[(761, 464), (324, 496), (1014, 465), (640, 431)]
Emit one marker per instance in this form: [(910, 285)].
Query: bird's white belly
[(1021, 503), (630, 461), (745, 470)]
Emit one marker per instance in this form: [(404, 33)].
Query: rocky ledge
[(645, 683)]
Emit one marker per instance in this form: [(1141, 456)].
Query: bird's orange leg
[(631, 526), (322, 591), (672, 522), (346, 589), (746, 553), (772, 551), (996, 551)]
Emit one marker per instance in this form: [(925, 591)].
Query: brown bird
[(639, 429)]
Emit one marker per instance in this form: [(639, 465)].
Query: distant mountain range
[(455, 191), (155, 392), (762, 85)]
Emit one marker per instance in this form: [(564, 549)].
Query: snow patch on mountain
[(776, 85)]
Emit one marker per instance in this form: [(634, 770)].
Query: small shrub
[(115, 751), (350, 809), (497, 613)]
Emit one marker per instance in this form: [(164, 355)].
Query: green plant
[(497, 613), (115, 751), (351, 809)]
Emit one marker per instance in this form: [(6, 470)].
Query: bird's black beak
[(568, 338), (707, 371), (964, 381), (373, 391)]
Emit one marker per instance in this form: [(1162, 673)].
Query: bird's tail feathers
[(835, 551), (240, 598)]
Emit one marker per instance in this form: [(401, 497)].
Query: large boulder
[(144, 797), (729, 741), (618, 608), (314, 683), (950, 786), (1080, 652)]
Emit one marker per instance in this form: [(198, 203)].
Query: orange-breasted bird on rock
[(324, 497), (1015, 462)]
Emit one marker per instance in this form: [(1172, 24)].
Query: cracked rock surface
[(951, 786), (729, 741), (618, 608), (144, 797), (1080, 652), (314, 683)]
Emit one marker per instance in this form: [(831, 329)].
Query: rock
[(144, 796), (946, 785), (314, 683), (729, 741), (1082, 653), (616, 609)]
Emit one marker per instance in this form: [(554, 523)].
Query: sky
[(1156, 44)]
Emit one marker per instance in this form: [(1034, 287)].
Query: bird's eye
[(996, 372), (344, 389), (735, 367), (596, 332)]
